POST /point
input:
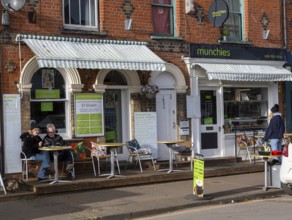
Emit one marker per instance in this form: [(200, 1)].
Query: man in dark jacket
[(275, 131), (31, 142), (53, 139)]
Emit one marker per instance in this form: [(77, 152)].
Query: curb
[(197, 203)]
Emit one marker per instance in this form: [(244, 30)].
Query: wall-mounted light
[(128, 24), (10, 5), (266, 34), (265, 22), (5, 18)]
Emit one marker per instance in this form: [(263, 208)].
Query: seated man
[(53, 139), (30, 147)]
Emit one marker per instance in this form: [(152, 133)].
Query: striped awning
[(238, 72), (63, 52)]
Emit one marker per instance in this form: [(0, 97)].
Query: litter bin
[(274, 176)]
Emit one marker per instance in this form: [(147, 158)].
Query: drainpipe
[(285, 24), (1, 115)]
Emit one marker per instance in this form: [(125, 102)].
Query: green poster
[(47, 93), (198, 186), (47, 106), (89, 115), (208, 121)]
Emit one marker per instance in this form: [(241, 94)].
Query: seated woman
[(30, 147)]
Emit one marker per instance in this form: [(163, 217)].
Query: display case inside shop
[(245, 109)]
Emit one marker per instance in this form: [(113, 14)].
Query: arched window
[(48, 99), (115, 78)]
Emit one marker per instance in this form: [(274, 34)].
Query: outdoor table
[(55, 150), (169, 144), (112, 146), (266, 158)]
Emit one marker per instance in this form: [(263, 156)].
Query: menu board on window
[(12, 132), (89, 115), (146, 130)]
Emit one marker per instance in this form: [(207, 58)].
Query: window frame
[(240, 21), (80, 26), (171, 7), (67, 133)]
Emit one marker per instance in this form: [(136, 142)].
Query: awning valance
[(62, 52), (246, 72)]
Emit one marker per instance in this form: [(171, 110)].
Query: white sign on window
[(146, 130), (12, 132)]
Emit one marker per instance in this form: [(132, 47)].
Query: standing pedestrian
[(275, 132)]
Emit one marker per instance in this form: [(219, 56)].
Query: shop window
[(245, 108), (233, 24), (48, 100), (163, 17), (80, 13)]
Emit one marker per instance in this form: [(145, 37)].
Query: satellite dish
[(13, 5)]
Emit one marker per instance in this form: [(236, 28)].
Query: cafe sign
[(236, 52), (218, 13)]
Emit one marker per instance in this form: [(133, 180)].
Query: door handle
[(219, 128), (173, 125)]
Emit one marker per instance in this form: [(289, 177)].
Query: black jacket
[(57, 140), (30, 144)]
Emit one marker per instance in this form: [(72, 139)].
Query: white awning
[(62, 52), (238, 72)]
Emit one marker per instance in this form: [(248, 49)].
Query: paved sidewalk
[(137, 201)]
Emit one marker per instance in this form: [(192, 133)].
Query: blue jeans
[(276, 144), (43, 156)]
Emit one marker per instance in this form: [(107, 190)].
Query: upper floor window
[(234, 22), (80, 13), (163, 17)]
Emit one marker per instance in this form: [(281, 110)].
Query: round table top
[(288, 135), (265, 156), (111, 144), (55, 148), (170, 142)]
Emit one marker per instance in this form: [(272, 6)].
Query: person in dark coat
[(54, 139), (275, 131), (31, 141)]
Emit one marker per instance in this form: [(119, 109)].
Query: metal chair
[(139, 153), (247, 146), (185, 151), (73, 170), (25, 162), (2, 184), (100, 153)]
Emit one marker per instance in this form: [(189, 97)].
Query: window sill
[(158, 37), (234, 42), (79, 31)]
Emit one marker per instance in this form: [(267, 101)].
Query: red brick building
[(52, 60)]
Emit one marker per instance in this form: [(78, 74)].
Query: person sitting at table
[(31, 141), (275, 132), (53, 139)]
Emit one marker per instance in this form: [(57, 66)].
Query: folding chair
[(100, 152), (246, 145), (139, 153)]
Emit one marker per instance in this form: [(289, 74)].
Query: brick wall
[(289, 24), (49, 21), (112, 16)]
